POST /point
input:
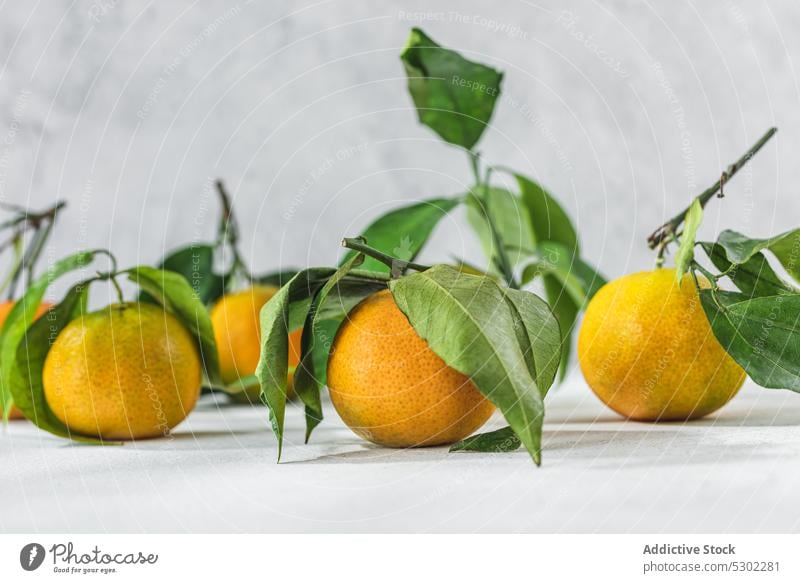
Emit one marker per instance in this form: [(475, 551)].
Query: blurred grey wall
[(624, 109)]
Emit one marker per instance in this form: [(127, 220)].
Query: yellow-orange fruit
[(237, 330), (390, 388), (128, 371), (647, 350)]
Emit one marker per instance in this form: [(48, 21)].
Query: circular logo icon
[(31, 556)]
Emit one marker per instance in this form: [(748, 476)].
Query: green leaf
[(306, 383), (21, 316), (196, 264), (273, 366), (685, 253), (331, 313), (467, 321), (549, 222), (754, 277), (569, 283), (469, 268), (510, 218), (276, 278), (324, 334), (26, 379), (538, 335), (566, 309), (403, 232), (579, 279), (453, 96), (762, 334), (349, 292), (786, 248), (499, 441), (172, 291), (241, 385)]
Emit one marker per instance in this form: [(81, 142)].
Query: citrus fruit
[(128, 371), (237, 330), (5, 308), (647, 350), (390, 388)]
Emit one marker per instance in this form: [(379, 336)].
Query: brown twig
[(668, 230), (398, 266), (41, 224)]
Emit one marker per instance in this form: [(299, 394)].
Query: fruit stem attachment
[(398, 266), (712, 279), (111, 274), (667, 231), (115, 283), (229, 232), (112, 277)]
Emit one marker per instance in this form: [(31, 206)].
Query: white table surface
[(737, 471)]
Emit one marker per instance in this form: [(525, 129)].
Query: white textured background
[(623, 109)]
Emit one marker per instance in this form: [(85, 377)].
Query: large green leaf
[(273, 366), (569, 283), (754, 277), (491, 334), (26, 379), (21, 316), (786, 248), (348, 292), (566, 309), (173, 291), (549, 221), (509, 217), (685, 253), (196, 264), (542, 349), (762, 334), (403, 232), (538, 334), (306, 382), (331, 313), (454, 97)]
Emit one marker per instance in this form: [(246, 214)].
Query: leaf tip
[(458, 446)]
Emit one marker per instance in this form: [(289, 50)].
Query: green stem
[(398, 266), (229, 233), (712, 279), (480, 194), (117, 287), (110, 256), (111, 274), (669, 228)]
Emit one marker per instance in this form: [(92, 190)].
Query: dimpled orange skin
[(5, 308), (128, 371), (647, 350), (390, 388), (237, 330)]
